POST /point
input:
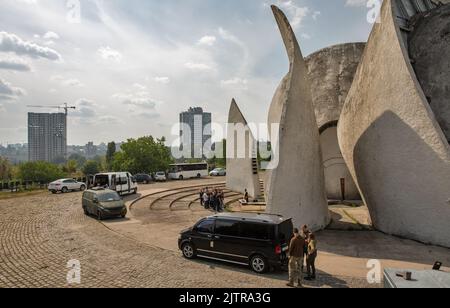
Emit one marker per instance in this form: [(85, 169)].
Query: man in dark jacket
[(296, 251)]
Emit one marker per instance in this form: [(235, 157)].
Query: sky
[(131, 66)]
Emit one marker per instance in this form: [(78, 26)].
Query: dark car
[(103, 203), (143, 178), (260, 241)]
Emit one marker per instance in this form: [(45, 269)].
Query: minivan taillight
[(278, 250)]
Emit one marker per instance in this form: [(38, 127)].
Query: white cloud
[(199, 67), (50, 35), (14, 64), (296, 13), (236, 83), (10, 92), (12, 43), (356, 3), (140, 87), (163, 80), (107, 53), (207, 40), (137, 99), (67, 82)]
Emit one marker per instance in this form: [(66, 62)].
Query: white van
[(121, 182)]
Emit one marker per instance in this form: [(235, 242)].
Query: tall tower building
[(195, 132), (47, 137)]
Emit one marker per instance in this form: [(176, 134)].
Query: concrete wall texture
[(396, 151), (331, 71), (296, 187), (429, 47), (241, 172)]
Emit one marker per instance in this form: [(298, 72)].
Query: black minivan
[(260, 241)]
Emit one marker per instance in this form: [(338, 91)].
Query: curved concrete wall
[(241, 172), (392, 143), (339, 183), (331, 71), (429, 46), (295, 188)]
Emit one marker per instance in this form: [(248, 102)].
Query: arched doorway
[(339, 183)]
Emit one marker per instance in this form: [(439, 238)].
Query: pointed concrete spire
[(242, 169), (296, 186)]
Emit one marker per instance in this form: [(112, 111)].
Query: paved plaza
[(39, 234)]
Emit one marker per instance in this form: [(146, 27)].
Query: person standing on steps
[(202, 191)]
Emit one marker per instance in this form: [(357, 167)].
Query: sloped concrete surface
[(240, 173), (429, 47), (296, 187), (392, 143)]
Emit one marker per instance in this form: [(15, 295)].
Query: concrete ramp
[(393, 145), (296, 186)]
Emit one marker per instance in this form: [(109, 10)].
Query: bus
[(188, 171)]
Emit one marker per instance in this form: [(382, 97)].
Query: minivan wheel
[(188, 251), (259, 264)]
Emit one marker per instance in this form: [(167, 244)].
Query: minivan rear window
[(256, 231)]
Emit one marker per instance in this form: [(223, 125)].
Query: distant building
[(195, 132), (47, 137), (90, 150)]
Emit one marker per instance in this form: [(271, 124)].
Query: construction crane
[(66, 107)]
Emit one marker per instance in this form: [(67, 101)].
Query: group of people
[(212, 199), (303, 246)]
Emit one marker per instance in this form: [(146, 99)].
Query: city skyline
[(121, 63)]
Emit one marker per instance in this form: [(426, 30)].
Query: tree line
[(142, 155)]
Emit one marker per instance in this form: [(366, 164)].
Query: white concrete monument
[(296, 186), (242, 164), (395, 148)]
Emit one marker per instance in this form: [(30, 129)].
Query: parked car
[(66, 185), (103, 203), (160, 177), (218, 172), (260, 241), (143, 178), (121, 182)]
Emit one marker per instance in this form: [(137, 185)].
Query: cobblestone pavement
[(40, 234)]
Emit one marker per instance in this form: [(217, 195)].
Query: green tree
[(80, 159), (5, 169), (91, 167), (71, 166), (40, 172), (144, 155), (110, 153)]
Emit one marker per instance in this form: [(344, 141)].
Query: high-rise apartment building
[(47, 137), (195, 132)]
